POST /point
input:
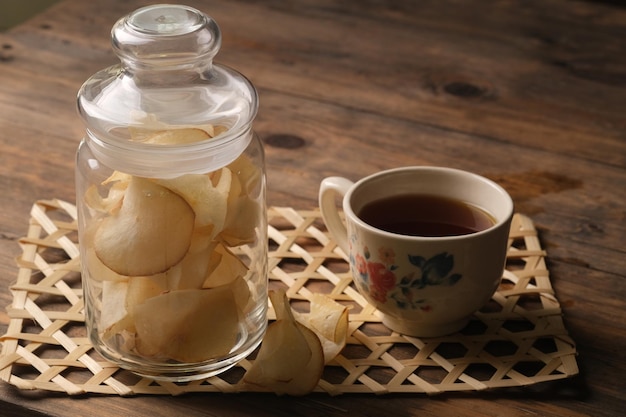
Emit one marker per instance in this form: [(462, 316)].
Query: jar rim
[(169, 161)]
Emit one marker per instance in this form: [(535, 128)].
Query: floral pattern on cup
[(379, 278)]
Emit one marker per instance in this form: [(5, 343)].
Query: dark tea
[(425, 215)]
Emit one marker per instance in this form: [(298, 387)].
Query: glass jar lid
[(166, 36), (166, 79)]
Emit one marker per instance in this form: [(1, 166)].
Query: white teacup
[(425, 285)]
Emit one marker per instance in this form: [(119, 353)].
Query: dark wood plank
[(550, 70)]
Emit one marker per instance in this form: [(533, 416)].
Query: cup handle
[(329, 189)]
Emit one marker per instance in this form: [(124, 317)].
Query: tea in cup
[(426, 245)]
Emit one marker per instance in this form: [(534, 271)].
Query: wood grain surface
[(529, 93)]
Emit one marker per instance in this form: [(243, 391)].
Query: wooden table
[(531, 94)]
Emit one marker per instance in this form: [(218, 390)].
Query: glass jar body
[(174, 263)]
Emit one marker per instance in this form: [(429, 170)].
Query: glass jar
[(170, 183)]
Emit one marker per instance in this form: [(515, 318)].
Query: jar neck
[(172, 64), (169, 161), (179, 74)]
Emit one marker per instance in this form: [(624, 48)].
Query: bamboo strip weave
[(518, 339)]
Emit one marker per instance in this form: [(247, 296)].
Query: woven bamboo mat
[(517, 339)]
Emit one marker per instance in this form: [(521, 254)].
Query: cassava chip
[(290, 360), (121, 178), (228, 268), (99, 271), (149, 234), (151, 127), (141, 289), (244, 210), (113, 302), (193, 270), (96, 270), (209, 202), (242, 217), (109, 204), (242, 294), (329, 320), (249, 175), (176, 137), (187, 325)]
